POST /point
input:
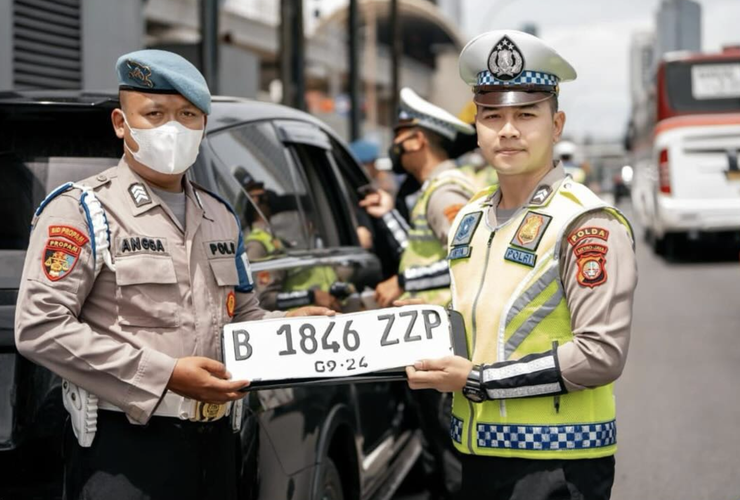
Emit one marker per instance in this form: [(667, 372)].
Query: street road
[(678, 400)]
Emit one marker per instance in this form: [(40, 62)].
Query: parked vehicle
[(685, 141), (346, 441)]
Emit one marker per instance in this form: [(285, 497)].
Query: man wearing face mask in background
[(129, 278)]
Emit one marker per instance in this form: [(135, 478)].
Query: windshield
[(703, 87), (41, 149)]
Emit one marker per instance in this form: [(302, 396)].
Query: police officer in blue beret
[(130, 277)]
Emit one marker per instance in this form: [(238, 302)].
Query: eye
[(154, 114), (527, 115), (189, 114), (492, 116)]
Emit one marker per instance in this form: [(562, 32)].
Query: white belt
[(176, 406)]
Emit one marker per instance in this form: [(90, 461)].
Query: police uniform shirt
[(120, 335), (601, 316)]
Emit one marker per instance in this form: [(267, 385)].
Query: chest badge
[(531, 231), (466, 229)]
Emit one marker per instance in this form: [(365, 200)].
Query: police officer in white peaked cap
[(544, 274)]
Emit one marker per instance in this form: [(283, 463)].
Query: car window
[(254, 158), (326, 209)]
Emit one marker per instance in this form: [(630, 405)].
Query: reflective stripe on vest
[(523, 311)]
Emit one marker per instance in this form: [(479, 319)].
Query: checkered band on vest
[(526, 78), (456, 429), (544, 437), (441, 126)]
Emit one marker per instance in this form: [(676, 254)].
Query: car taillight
[(664, 172)]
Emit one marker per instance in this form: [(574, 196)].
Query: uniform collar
[(542, 194), (141, 198)]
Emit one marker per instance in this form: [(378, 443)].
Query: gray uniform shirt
[(119, 335)]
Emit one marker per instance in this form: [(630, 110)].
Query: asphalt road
[(678, 400)]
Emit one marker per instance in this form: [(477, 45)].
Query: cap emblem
[(140, 72), (506, 61)]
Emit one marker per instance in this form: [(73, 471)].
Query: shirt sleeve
[(49, 331), (444, 204), (599, 275)]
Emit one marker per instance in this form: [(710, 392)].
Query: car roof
[(225, 111)]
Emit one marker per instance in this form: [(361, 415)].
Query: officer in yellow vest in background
[(544, 274), (281, 289), (423, 136)]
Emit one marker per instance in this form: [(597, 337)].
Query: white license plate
[(715, 81), (339, 346)]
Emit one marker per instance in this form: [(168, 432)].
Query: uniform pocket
[(147, 291), (225, 272)]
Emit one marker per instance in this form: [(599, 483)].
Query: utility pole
[(292, 54), (355, 113), (209, 43), (396, 54), (371, 63)]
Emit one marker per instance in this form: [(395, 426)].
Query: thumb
[(215, 368), (430, 364)]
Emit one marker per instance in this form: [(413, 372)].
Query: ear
[(421, 142), (559, 125), (119, 125)]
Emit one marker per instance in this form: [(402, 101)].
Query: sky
[(594, 36)]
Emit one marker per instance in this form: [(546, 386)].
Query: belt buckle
[(208, 412)]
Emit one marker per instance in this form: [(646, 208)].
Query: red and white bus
[(685, 142)]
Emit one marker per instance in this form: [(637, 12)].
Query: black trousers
[(496, 478), (165, 459)]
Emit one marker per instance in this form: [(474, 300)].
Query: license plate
[(346, 345)]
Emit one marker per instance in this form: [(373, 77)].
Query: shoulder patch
[(139, 194), (591, 264), (587, 232), (59, 258), (68, 232)]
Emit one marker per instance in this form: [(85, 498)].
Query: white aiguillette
[(365, 346)]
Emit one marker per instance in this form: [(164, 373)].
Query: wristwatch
[(473, 389)]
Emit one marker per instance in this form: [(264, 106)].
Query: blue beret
[(159, 71), (365, 151)]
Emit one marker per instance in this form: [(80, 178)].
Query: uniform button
[(101, 178)]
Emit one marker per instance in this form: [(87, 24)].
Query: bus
[(684, 140)]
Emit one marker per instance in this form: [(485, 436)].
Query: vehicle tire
[(331, 484)]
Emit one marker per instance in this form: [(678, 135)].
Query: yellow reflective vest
[(424, 248), (506, 282)]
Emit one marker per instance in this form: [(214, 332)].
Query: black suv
[(350, 441)]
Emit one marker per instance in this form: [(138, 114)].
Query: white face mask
[(169, 149)]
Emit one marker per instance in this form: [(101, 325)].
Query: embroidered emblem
[(140, 72), (591, 264), (588, 232), (60, 257), (523, 257), (230, 304), (466, 229), (139, 194), (140, 244), (222, 247), (506, 61), (462, 252), (69, 233), (541, 195), (531, 231)]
